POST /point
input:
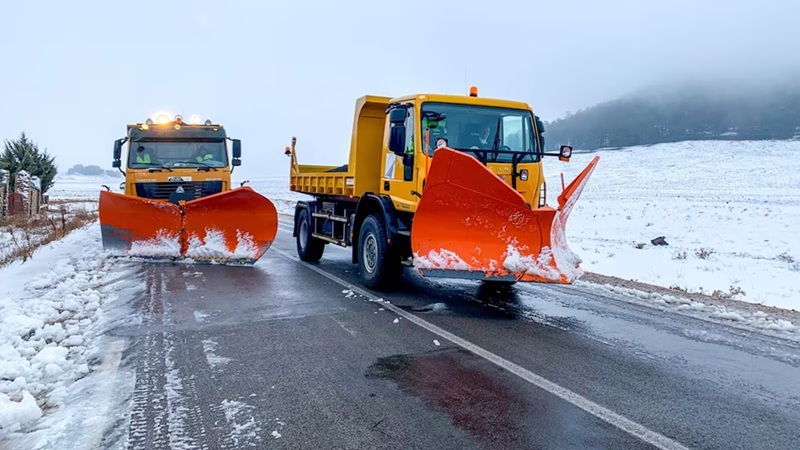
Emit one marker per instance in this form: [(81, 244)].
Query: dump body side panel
[(362, 173)]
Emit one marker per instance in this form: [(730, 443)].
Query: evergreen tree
[(23, 154)]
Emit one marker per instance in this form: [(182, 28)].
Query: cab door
[(398, 173)]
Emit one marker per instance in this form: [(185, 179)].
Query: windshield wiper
[(204, 165), (160, 166), (496, 143)]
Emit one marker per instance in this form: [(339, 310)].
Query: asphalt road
[(285, 355)]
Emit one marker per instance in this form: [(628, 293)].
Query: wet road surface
[(282, 355)]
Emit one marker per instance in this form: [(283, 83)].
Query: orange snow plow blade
[(233, 227), (471, 224), (139, 226)]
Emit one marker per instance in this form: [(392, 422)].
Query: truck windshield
[(468, 127), (151, 153)]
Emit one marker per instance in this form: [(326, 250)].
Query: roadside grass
[(21, 236)]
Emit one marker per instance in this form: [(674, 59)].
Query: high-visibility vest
[(204, 158), (143, 160)]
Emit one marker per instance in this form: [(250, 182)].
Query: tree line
[(24, 154), (696, 112)]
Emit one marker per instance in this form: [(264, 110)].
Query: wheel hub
[(370, 253), (303, 234)]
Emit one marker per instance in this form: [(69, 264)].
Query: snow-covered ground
[(728, 210), (725, 208), (277, 190), (82, 187), (56, 365)]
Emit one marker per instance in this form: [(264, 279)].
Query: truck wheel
[(309, 248), (380, 267)]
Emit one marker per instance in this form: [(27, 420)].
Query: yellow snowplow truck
[(449, 185), (178, 202)]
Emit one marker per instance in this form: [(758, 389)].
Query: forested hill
[(688, 112)]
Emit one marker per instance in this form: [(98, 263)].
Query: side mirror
[(118, 149), (540, 127), (237, 148), (237, 152), (116, 164), (565, 153), (397, 131)]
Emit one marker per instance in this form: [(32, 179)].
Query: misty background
[(74, 74)]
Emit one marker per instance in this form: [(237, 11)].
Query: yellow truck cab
[(370, 203), (173, 160)]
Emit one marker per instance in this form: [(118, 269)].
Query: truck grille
[(162, 191)]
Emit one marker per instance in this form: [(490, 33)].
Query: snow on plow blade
[(233, 227), (237, 226), (471, 224)]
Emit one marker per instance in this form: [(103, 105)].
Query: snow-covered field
[(728, 210), (277, 190), (725, 208), (81, 187)]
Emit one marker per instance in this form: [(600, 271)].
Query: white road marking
[(341, 324), (633, 428)]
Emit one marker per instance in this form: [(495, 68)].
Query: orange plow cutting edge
[(471, 224), (233, 227)]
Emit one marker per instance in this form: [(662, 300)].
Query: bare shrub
[(28, 234), (703, 253), (733, 291)]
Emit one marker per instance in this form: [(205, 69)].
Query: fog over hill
[(691, 110)]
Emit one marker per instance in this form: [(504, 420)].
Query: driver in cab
[(481, 140), (203, 154)]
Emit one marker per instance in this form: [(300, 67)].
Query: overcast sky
[(73, 74)]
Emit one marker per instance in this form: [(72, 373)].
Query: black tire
[(379, 265), (309, 248)]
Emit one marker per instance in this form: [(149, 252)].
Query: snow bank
[(51, 312), (745, 319), (15, 414)]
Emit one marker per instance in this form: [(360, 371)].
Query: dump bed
[(362, 172)]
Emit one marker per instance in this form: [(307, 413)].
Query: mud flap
[(232, 227), (471, 224)]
